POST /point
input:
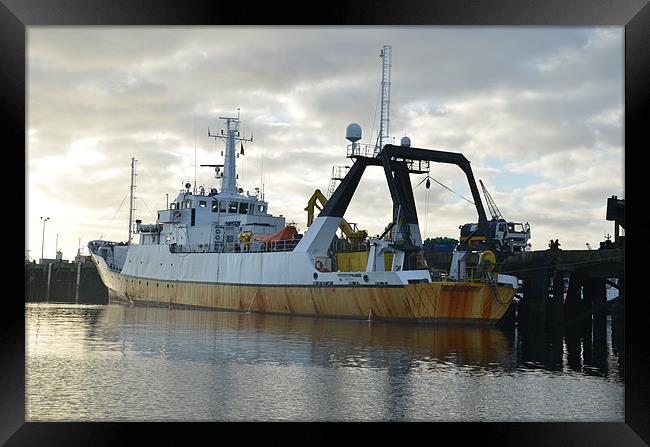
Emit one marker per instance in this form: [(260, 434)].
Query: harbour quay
[(64, 282), (560, 286)]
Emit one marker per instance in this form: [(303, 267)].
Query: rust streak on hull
[(437, 301)]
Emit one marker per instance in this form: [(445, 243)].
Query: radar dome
[(353, 132), (405, 141)]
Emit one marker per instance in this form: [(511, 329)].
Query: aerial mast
[(132, 199), (229, 178), (383, 137)]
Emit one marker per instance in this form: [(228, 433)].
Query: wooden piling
[(597, 297), (557, 306), (76, 291), (535, 296), (49, 279), (573, 300)]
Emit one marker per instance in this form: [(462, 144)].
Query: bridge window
[(251, 209), (232, 207), (261, 208), (215, 206), (243, 208), (222, 206), (172, 206), (202, 203)]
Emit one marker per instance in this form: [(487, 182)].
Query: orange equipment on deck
[(287, 233)]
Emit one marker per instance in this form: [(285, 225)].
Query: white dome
[(353, 132)]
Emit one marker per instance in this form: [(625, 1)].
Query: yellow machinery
[(487, 261), (245, 237), (356, 261), (344, 226), (352, 261)]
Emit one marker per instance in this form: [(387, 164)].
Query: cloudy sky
[(537, 110)]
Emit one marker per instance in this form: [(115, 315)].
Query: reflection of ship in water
[(228, 336), (225, 337)]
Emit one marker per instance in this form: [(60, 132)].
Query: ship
[(222, 249)]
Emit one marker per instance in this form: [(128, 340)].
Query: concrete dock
[(77, 283)]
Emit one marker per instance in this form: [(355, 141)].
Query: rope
[(447, 188), (496, 295), (372, 129), (452, 191), (426, 211), (149, 209), (115, 215)]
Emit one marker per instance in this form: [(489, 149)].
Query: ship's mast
[(132, 199), (229, 178), (383, 137)]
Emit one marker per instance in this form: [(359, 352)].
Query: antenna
[(132, 200), (262, 172), (229, 177), (384, 122), (195, 153)]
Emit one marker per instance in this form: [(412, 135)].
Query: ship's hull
[(424, 302)]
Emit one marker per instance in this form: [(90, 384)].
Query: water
[(117, 363)]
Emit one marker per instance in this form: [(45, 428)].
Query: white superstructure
[(221, 236)]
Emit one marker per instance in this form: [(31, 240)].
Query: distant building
[(81, 258), (45, 261)]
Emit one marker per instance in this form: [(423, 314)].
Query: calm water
[(117, 363)]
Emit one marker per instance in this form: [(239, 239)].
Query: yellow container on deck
[(356, 261)]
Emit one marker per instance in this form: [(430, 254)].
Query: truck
[(506, 237)]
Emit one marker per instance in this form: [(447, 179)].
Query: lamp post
[(44, 219)]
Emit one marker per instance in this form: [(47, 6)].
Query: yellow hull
[(437, 301)]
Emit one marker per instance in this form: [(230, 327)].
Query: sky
[(538, 111)]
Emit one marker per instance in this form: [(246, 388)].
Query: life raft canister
[(320, 267)]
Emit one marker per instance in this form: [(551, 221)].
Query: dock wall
[(64, 283)]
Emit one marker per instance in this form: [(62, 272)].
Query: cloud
[(537, 111)]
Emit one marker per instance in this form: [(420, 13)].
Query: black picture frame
[(16, 15)]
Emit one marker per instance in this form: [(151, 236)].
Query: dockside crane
[(492, 207), (506, 237)]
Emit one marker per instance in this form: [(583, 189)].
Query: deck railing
[(237, 247)]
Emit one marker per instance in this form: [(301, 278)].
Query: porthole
[(365, 278), (315, 275)]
